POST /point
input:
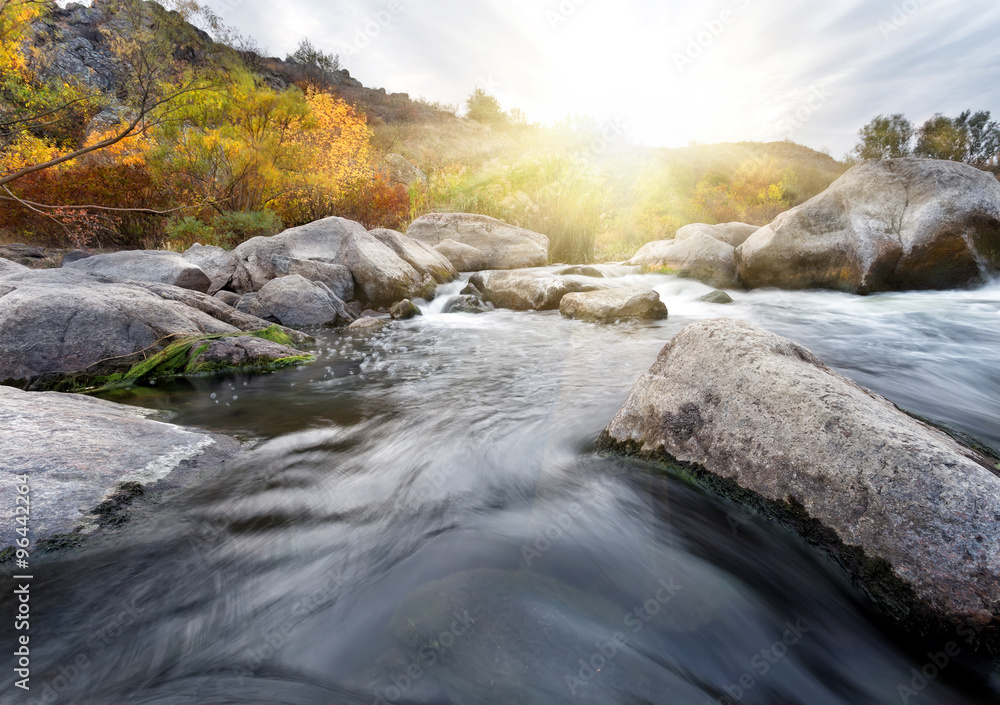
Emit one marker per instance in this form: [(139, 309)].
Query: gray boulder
[(296, 301), (505, 246), (910, 512), (75, 449), (367, 324), (145, 266), (884, 225), (402, 171), (9, 267), (62, 327), (524, 291), (216, 262), (229, 298), (611, 305), (733, 234), (464, 258), (404, 310), (467, 303), (698, 256), (716, 297), (336, 276), (381, 278), (419, 255)]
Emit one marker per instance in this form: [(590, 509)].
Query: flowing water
[(423, 520)]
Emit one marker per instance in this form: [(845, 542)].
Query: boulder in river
[(716, 297), (381, 277), (884, 225), (581, 270), (734, 234), (699, 256), (296, 301), (419, 255), (912, 514), (505, 246), (464, 258), (524, 291), (69, 330), (217, 263), (404, 310), (611, 305), (467, 303), (75, 450), (145, 266), (335, 276)]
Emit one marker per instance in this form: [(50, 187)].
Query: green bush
[(188, 230), (233, 228)]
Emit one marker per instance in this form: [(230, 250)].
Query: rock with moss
[(87, 459), (613, 305), (524, 291), (419, 255), (404, 310), (910, 512), (145, 266), (505, 246)]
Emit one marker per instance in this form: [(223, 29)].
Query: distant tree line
[(972, 137)]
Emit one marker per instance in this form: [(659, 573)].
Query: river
[(423, 520)]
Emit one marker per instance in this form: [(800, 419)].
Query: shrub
[(231, 229), (186, 230)]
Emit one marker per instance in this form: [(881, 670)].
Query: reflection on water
[(424, 522)]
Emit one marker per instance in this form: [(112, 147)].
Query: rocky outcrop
[(464, 258), (145, 266), (698, 256), (296, 301), (419, 255), (217, 263), (911, 513), (75, 450), (612, 305), (523, 291), (505, 246), (68, 329), (402, 171), (884, 225), (381, 277), (733, 234)]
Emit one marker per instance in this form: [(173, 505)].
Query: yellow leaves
[(26, 151), (337, 143), (16, 17)]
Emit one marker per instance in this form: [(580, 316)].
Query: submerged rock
[(504, 246), (913, 515), (524, 291), (145, 266), (467, 303), (884, 225), (75, 449), (610, 305)]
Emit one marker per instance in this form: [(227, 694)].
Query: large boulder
[(524, 291), (145, 266), (910, 512), (381, 277), (505, 246), (734, 234), (335, 276), (699, 256), (217, 263), (71, 329), (75, 449), (9, 267), (884, 225), (419, 255), (611, 305), (296, 301), (464, 258)]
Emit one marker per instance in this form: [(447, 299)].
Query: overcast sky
[(669, 72)]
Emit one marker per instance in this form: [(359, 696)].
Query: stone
[(216, 262), (229, 298), (419, 255), (336, 276), (524, 291), (581, 271), (464, 258), (912, 514), (74, 256), (9, 267), (733, 234), (381, 277), (505, 246), (404, 310), (467, 303), (612, 305), (367, 324), (76, 449), (296, 301), (244, 352), (402, 171), (716, 297), (885, 225), (145, 266), (699, 256)]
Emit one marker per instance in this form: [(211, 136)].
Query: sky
[(662, 72)]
